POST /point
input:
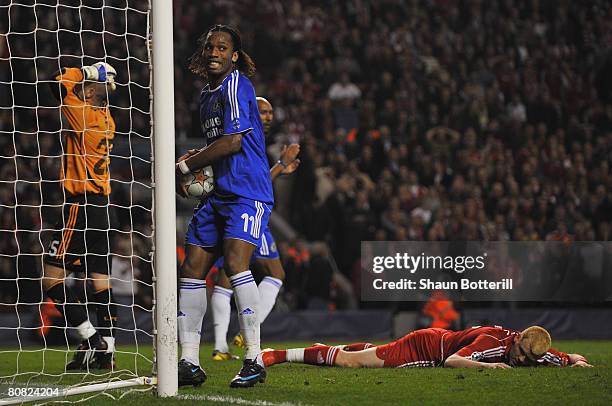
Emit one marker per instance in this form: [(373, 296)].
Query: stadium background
[(435, 120)]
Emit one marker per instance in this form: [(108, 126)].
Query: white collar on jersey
[(207, 87)]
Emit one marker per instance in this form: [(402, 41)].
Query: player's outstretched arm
[(577, 360), (288, 161), (556, 358), (457, 361)]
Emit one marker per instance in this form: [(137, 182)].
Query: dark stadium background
[(418, 120)]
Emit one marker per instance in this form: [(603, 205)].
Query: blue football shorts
[(266, 250), (267, 247), (218, 218)]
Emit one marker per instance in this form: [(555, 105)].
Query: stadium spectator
[(498, 108)]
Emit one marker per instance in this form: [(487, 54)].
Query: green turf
[(309, 385)]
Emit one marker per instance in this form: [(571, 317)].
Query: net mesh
[(38, 38)]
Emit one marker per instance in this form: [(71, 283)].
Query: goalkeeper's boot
[(190, 374), (103, 360), (223, 356), (86, 352), (239, 341), (250, 373)]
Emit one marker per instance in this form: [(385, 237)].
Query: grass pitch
[(297, 384)]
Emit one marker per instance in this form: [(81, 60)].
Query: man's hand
[(187, 154), (289, 159), (181, 189), (291, 167), (577, 360), (497, 365), (582, 364), (100, 72)]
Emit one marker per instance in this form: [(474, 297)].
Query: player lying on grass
[(477, 347)]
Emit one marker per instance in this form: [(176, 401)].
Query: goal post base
[(79, 390)]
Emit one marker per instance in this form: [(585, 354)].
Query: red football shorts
[(421, 348)]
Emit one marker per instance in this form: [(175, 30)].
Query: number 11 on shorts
[(248, 219)]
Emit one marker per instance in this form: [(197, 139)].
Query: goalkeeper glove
[(100, 72)]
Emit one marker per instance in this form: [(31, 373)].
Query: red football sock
[(274, 357), (320, 355), (357, 346)]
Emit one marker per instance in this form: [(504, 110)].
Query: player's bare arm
[(288, 161), (456, 361), (225, 146)]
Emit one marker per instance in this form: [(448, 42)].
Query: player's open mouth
[(214, 65)]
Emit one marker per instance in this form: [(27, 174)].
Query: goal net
[(85, 208)]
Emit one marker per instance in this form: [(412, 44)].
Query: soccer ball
[(199, 183)]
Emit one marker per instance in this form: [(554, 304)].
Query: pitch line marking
[(237, 401)]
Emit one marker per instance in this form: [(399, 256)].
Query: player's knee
[(51, 277), (277, 272), (224, 281), (347, 360), (272, 267), (191, 269), (235, 265), (101, 283)]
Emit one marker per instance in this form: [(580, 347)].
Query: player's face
[(96, 94), (219, 54), (520, 356), (266, 113)]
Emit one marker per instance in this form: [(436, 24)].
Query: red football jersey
[(492, 344), (430, 347)]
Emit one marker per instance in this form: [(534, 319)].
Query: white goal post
[(165, 203), (38, 37)]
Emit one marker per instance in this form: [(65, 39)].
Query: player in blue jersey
[(230, 222), (265, 257)]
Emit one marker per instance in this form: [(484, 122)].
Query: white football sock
[(268, 291), (86, 330), (247, 298), (110, 342), (221, 310), (192, 306)]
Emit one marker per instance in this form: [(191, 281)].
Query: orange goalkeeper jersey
[(88, 140)]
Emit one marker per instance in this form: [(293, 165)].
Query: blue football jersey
[(231, 108)]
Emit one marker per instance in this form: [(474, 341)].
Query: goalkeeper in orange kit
[(81, 242)]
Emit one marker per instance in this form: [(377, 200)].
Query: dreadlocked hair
[(244, 63)]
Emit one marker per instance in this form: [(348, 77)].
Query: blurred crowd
[(36, 39), (430, 120), (418, 120)]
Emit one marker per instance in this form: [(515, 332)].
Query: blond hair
[(536, 340)]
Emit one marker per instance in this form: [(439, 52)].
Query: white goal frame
[(165, 362), (164, 200)]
